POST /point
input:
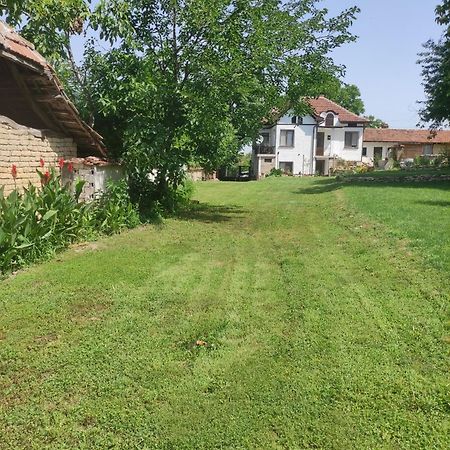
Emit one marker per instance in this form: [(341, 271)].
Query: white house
[(309, 144)]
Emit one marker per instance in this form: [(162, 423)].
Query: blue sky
[(382, 62)]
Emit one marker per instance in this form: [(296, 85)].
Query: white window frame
[(284, 141), (354, 139), (326, 118)]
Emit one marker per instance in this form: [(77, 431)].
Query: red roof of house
[(406, 136), (322, 104), (56, 105)]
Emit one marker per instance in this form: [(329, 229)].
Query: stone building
[(37, 119)]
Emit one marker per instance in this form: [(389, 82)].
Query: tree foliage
[(376, 123), (188, 80), (192, 79), (435, 61), (346, 95)]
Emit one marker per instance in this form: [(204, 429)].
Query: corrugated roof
[(52, 100), (322, 104), (406, 136)]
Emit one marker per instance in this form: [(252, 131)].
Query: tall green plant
[(37, 222)]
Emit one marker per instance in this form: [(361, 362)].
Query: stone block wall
[(24, 147)]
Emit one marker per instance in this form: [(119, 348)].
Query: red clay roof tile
[(406, 136), (322, 104)]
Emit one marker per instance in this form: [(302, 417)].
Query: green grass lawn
[(401, 173), (323, 307)]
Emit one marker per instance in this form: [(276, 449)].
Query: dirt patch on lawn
[(87, 246), (84, 313)]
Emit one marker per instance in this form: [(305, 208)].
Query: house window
[(364, 151), (378, 153), (287, 166), (267, 160), (351, 139), (428, 149), (265, 139), (296, 120), (287, 138), (329, 120)]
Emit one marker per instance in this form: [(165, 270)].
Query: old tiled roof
[(322, 104), (91, 161), (41, 86), (406, 136)]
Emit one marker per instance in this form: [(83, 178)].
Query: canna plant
[(40, 221), (37, 222)]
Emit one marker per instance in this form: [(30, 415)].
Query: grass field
[(286, 313)]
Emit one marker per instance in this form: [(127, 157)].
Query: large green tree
[(186, 80), (435, 61), (192, 79)]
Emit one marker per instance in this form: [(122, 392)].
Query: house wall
[(410, 151), (24, 147), (96, 178), (335, 146), (265, 167), (300, 154), (200, 174), (369, 159)]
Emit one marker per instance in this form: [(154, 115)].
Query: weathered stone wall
[(24, 147), (266, 166)]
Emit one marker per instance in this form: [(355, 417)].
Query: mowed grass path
[(324, 324)]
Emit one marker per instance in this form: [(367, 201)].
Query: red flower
[(41, 162), (46, 177), (70, 167), (14, 171), (61, 163)]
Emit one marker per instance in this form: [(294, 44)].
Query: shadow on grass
[(321, 186), (324, 185), (443, 203), (206, 213)]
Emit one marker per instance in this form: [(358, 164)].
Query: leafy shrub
[(421, 161), (38, 222), (362, 169), (185, 191), (443, 159), (114, 211), (275, 173)]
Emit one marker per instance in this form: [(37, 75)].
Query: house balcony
[(264, 149)]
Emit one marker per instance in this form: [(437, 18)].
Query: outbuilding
[(38, 122)]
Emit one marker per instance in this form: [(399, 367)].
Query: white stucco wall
[(300, 154), (369, 158), (335, 145)]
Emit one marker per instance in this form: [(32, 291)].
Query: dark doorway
[(320, 144), (320, 167), (378, 153)]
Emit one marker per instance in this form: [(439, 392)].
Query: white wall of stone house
[(370, 146), (335, 143), (96, 178), (300, 153), (24, 147)]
